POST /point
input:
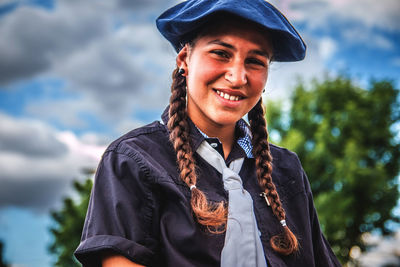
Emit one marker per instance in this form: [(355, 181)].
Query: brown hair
[(285, 243), (211, 215)]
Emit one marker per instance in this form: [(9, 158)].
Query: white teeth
[(226, 96)]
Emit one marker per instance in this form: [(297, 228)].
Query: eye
[(255, 61), (220, 53)]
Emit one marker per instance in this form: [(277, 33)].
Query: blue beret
[(183, 19)]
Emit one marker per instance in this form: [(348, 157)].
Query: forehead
[(234, 30)]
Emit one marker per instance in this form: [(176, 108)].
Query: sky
[(76, 74)]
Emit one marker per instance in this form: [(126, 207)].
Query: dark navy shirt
[(140, 208)]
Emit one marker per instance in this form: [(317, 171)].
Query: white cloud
[(33, 38), (284, 76), (30, 138), (327, 47), (29, 173), (122, 71), (127, 125), (357, 35), (396, 61), (110, 53), (64, 111), (89, 152), (7, 2), (353, 17), (379, 14), (95, 139)]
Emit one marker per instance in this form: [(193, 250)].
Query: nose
[(236, 74)]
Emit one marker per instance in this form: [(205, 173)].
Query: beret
[(178, 22)]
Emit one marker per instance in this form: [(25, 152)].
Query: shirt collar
[(242, 146)]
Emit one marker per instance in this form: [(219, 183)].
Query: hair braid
[(285, 243), (213, 216)]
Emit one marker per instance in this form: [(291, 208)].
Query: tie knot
[(231, 179)]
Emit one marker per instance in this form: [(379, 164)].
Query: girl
[(202, 187)]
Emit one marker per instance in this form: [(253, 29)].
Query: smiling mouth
[(228, 97)]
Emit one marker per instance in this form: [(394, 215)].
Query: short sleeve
[(323, 254), (120, 212)]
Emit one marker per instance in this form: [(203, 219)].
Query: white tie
[(242, 247)]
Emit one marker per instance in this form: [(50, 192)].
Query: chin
[(227, 119)]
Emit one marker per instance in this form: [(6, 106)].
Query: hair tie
[(283, 222), (192, 186)]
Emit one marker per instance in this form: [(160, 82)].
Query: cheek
[(259, 81), (204, 70)]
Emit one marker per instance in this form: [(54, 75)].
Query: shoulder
[(144, 143), (284, 158), (152, 134), (146, 148)]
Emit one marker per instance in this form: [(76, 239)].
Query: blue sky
[(76, 74)]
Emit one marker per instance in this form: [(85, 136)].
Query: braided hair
[(214, 215), (211, 215), (285, 243)]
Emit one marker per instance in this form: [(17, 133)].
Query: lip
[(227, 102), (230, 92)]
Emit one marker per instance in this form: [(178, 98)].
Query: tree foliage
[(68, 227), (345, 137)]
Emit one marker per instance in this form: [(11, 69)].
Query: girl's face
[(226, 71)]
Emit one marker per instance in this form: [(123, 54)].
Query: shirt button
[(214, 145)]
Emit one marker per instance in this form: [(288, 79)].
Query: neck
[(225, 134)]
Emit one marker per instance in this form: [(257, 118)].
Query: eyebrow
[(255, 51)]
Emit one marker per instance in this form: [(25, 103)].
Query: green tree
[(346, 139), (69, 224)]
